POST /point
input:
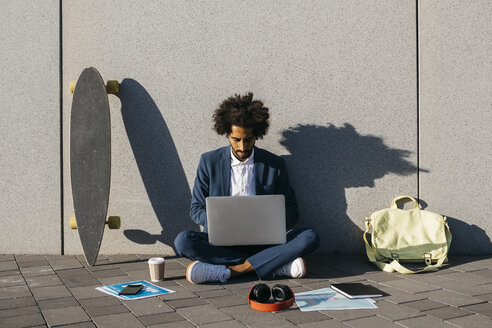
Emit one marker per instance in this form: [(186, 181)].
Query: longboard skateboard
[(90, 159)]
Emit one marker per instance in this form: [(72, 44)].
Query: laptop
[(246, 220)]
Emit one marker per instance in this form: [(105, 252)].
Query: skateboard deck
[(90, 159)]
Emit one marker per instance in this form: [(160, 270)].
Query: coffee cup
[(156, 268)]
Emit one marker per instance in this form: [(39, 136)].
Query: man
[(242, 169)]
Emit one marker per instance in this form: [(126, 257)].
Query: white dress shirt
[(243, 176)]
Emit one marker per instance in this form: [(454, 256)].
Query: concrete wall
[(340, 79), (30, 127), (455, 115)]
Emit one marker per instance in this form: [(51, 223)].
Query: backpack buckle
[(394, 256), (427, 258)]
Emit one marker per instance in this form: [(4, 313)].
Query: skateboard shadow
[(158, 162), (326, 160)]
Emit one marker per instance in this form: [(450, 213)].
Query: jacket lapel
[(259, 169), (225, 166)]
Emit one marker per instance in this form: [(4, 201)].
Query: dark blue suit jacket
[(213, 178)]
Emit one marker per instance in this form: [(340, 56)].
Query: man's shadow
[(158, 162), (324, 161)]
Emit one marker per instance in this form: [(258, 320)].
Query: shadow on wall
[(467, 239), (324, 161), (158, 163)]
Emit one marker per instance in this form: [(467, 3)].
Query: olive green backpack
[(407, 236)]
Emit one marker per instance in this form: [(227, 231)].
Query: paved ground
[(40, 291)]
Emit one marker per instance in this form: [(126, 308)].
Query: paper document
[(148, 290), (328, 299)]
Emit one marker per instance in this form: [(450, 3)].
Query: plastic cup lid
[(156, 260)]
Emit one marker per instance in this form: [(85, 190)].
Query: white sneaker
[(294, 269), (198, 272)]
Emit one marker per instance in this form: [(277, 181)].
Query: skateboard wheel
[(73, 223), (112, 86), (114, 222), (72, 86)]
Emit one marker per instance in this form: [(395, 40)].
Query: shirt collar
[(249, 161)]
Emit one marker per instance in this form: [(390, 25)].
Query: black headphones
[(259, 297)]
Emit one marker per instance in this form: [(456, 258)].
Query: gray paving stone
[(186, 302), (9, 273), (323, 324), (409, 286), (161, 318), (134, 266), (423, 305), (483, 261), (43, 281), (297, 317), (487, 273), (4, 257), (37, 271), (12, 303), (78, 280), (13, 292), (57, 303), (180, 292), (174, 265), (18, 311), (80, 325), (15, 280), (451, 298), (425, 322), (174, 274), (139, 274), (470, 277), (215, 293), (183, 261), (428, 278), (371, 322), (109, 273), (124, 320), (147, 306), (344, 315), (28, 320), (34, 262), (398, 296), (203, 314), (99, 301), (65, 316), (448, 312), (472, 321), (106, 310), (485, 297), (166, 283), (225, 301), (122, 258), (483, 309), (379, 276), (81, 293), (115, 280), (236, 285), (466, 287), (100, 266), (394, 312), (253, 318), (347, 279), (198, 287), (44, 293), (466, 267), (177, 324), (63, 262), (224, 324)]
